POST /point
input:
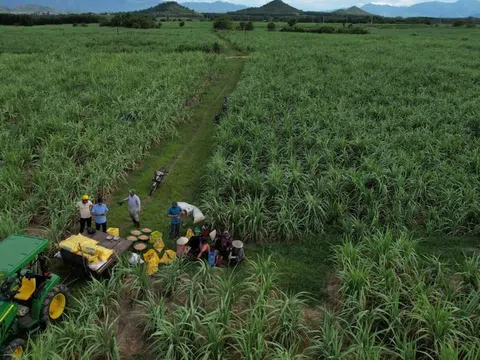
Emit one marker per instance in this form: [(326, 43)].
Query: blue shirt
[(100, 209), (174, 211)]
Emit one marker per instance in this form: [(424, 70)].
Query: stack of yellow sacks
[(88, 248)]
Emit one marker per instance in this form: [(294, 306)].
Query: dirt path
[(185, 157)]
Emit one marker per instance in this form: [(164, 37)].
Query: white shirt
[(84, 209), (134, 203)]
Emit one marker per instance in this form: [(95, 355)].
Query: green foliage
[(31, 20), (130, 20), (58, 151), (459, 23), (292, 21), (291, 162), (223, 23), (181, 23), (401, 305), (249, 26), (327, 30), (212, 314), (271, 26)]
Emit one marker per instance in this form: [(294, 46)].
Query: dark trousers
[(174, 231), (83, 222), (103, 226)]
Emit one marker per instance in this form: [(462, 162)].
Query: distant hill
[(214, 7), (459, 9), (86, 5), (31, 9), (354, 11), (170, 8), (275, 7)]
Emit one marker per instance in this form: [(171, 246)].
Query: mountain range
[(115, 5), (436, 9), (30, 9), (213, 7), (354, 11)]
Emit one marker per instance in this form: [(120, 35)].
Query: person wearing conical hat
[(84, 208), (237, 253)]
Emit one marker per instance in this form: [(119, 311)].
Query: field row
[(72, 123), (66, 39), (331, 132)]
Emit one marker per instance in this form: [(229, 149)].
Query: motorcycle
[(158, 177)]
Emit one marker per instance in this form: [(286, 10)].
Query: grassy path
[(184, 156)]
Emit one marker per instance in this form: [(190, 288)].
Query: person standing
[(84, 207), (99, 211), (174, 213), (134, 207)]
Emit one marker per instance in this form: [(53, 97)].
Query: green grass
[(350, 133), (451, 249), (326, 134), (184, 155), (302, 266), (91, 113)]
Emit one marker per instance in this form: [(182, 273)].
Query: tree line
[(31, 20), (134, 20), (131, 20), (320, 17)]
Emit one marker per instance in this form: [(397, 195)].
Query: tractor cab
[(29, 294)]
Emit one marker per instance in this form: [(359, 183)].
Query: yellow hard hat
[(85, 197)]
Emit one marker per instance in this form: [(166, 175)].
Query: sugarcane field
[(263, 183)]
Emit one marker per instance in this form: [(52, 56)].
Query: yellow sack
[(189, 234), (159, 245), (71, 247), (168, 257), (103, 253), (152, 260), (88, 250), (73, 243), (92, 259)]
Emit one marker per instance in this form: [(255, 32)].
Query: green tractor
[(30, 296)]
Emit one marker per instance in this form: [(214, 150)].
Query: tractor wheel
[(14, 350), (54, 305)]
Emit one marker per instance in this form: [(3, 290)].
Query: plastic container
[(113, 231)]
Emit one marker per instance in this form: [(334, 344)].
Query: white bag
[(213, 235), (135, 259), (186, 207), (197, 215), (192, 210)]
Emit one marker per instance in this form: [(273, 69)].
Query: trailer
[(79, 265)]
